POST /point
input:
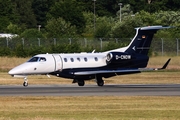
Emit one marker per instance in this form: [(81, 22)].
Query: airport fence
[(159, 47)]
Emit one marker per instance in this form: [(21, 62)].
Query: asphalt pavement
[(92, 90)]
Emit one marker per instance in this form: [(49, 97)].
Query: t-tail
[(136, 53), (142, 40)]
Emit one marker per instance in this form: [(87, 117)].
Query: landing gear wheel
[(100, 83), (25, 84), (81, 82), (99, 80)]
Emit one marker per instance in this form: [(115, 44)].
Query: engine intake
[(109, 57)]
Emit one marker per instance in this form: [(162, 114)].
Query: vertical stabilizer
[(142, 40)]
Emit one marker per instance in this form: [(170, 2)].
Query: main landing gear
[(25, 84), (99, 81), (80, 82)]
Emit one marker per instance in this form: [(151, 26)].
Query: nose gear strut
[(25, 84)]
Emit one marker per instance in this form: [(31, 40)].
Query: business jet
[(86, 66)]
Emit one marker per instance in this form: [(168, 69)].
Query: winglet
[(151, 69), (165, 65)]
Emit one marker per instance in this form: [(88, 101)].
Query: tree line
[(85, 18), (63, 18)]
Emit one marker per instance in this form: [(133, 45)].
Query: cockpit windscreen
[(37, 59)]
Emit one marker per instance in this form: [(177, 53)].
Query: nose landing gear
[(25, 84)]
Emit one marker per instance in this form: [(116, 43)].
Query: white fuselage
[(58, 62)]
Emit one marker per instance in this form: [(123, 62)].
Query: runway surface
[(91, 90)]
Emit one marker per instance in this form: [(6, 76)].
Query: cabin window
[(79, 59), (72, 60), (96, 59), (34, 59), (65, 59), (42, 59), (85, 59)]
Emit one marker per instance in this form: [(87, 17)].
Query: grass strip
[(90, 108)]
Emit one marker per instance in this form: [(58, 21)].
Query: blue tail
[(142, 40)]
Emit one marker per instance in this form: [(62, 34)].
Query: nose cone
[(11, 72), (15, 71), (18, 70)]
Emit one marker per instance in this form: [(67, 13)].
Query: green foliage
[(103, 27), (34, 50), (125, 12), (4, 21), (152, 5), (75, 18), (70, 11), (106, 7), (58, 28), (146, 18), (170, 18), (13, 28), (111, 45), (72, 48), (20, 51), (125, 29), (31, 33), (40, 9), (6, 14), (61, 48), (103, 7), (25, 13), (89, 28), (5, 51), (155, 6)]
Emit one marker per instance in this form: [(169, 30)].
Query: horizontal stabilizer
[(155, 27)]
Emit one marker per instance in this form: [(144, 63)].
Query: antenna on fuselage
[(93, 51)]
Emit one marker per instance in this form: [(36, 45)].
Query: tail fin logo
[(134, 48)]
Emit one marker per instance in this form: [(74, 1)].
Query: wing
[(106, 71), (125, 71)]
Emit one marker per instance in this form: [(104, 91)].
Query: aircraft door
[(58, 62)]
